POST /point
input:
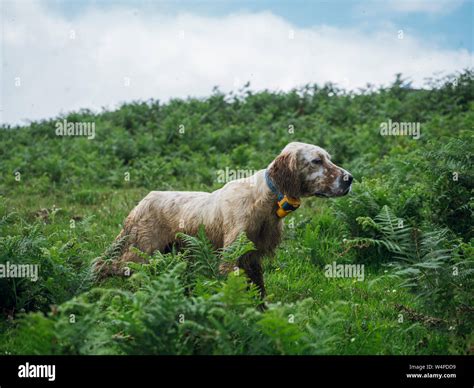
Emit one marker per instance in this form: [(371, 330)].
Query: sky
[(62, 56)]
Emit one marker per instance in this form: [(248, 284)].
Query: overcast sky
[(59, 56)]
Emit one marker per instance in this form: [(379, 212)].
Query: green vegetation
[(408, 221)]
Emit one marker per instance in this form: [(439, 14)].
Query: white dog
[(253, 205)]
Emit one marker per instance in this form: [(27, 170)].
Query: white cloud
[(176, 56)]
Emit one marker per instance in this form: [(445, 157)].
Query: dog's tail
[(109, 263)]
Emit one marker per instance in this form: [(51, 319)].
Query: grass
[(369, 321)]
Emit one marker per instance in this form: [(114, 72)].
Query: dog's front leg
[(251, 264)]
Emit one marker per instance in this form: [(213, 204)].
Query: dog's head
[(305, 170)]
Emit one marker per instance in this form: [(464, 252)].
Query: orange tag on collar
[(286, 205)]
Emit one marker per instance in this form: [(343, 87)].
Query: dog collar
[(285, 204)]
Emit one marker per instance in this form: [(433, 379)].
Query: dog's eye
[(316, 161)]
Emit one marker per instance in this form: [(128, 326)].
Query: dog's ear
[(284, 173)]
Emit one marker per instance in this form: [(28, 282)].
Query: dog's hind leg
[(132, 240)]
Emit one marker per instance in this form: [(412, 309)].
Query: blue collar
[(272, 186), (285, 204)]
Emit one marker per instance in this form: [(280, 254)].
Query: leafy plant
[(423, 263)]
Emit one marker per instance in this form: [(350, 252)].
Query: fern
[(323, 335), (241, 246), (114, 250), (200, 253), (422, 260)]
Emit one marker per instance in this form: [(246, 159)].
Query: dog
[(255, 206)]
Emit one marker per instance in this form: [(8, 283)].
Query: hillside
[(408, 221)]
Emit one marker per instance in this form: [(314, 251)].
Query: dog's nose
[(348, 178)]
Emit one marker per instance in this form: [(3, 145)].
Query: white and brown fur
[(245, 205)]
